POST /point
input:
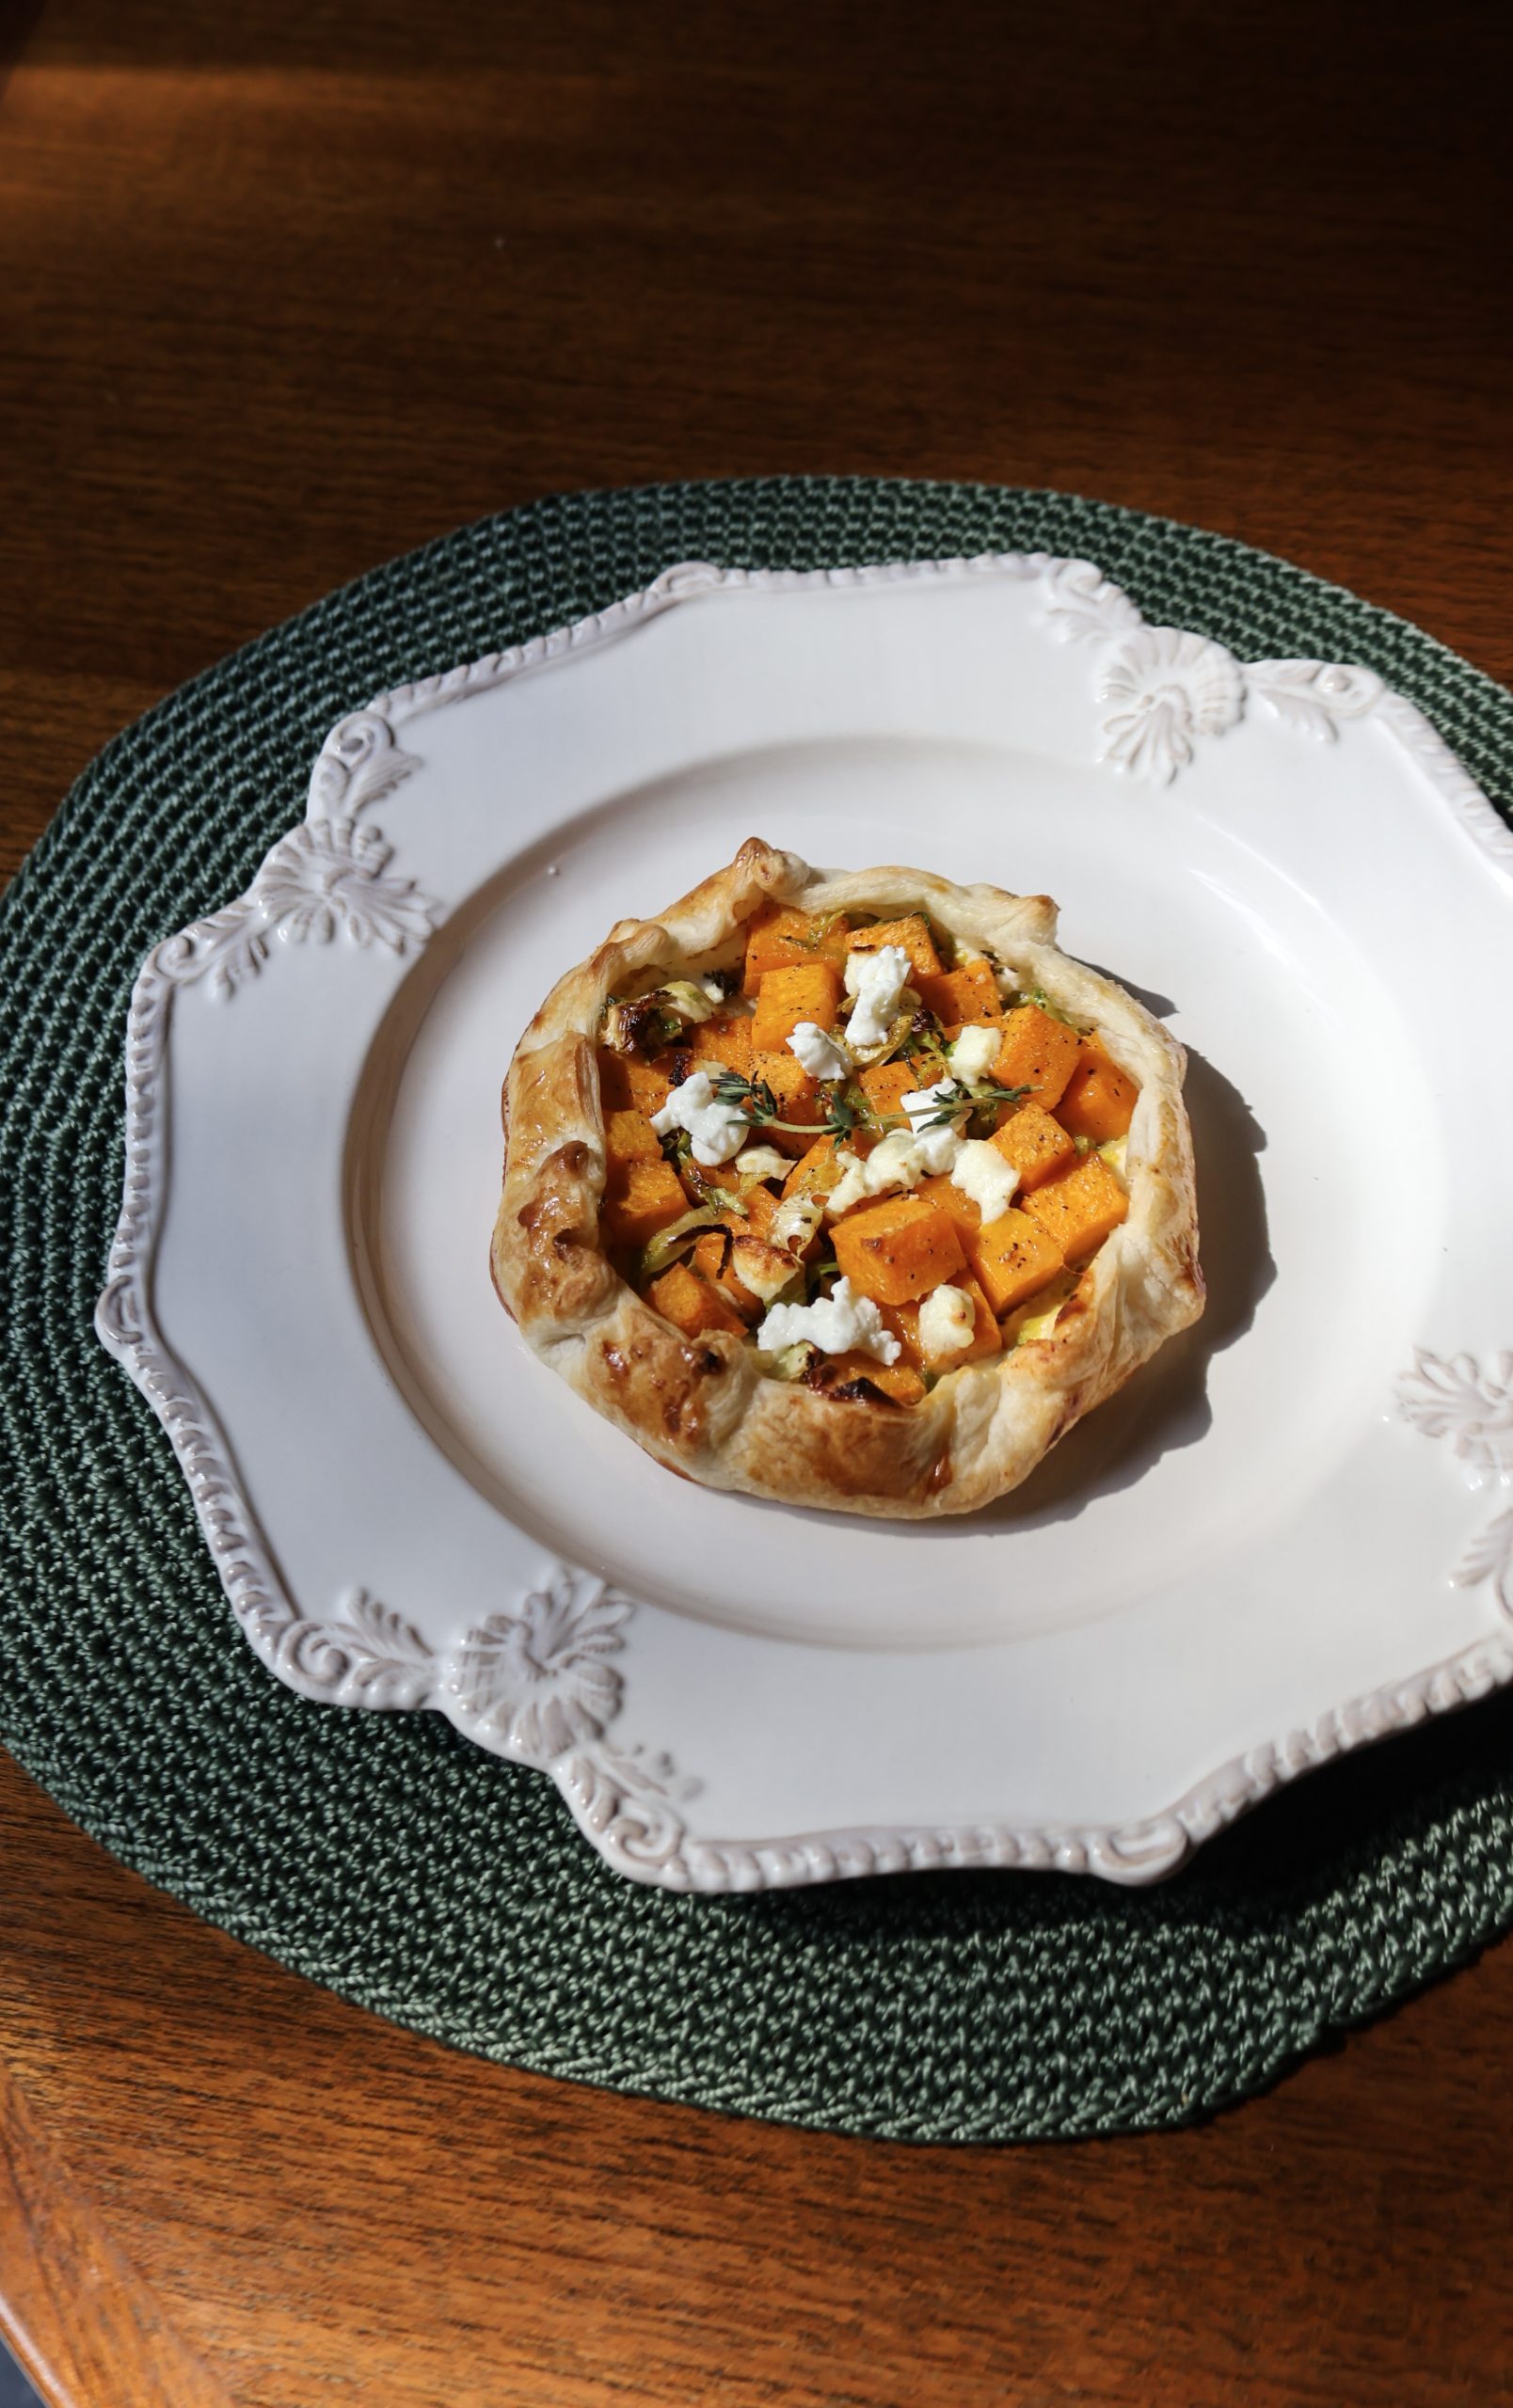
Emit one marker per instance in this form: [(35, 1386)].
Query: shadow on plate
[(1165, 1405)]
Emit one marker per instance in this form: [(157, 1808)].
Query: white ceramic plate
[(1265, 1550)]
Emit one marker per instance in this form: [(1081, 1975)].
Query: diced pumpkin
[(943, 1191), (985, 1338), (1098, 1100), (961, 998), (710, 1259), (886, 1084), (815, 1169), (639, 1200), (761, 1210), (797, 1098), (1037, 1145), (900, 1382), (1080, 1208), (629, 1085), (805, 991), (896, 1250), (690, 1304), (723, 1040), (912, 933), (614, 1081), (629, 1137), (1012, 1258), (775, 938), (1038, 1053)]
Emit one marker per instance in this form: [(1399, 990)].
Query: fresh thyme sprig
[(845, 1112), (961, 1096)]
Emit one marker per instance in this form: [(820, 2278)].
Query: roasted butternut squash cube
[(961, 998), (614, 1081), (1098, 1100), (1012, 1258), (805, 991), (629, 1085), (711, 1260), (775, 938), (985, 1338), (944, 1193), (816, 1168), (797, 1098), (723, 1040), (691, 1304), (650, 1083), (1080, 1208), (1037, 1145), (629, 1137), (639, 1200), (886, 1084), (912, 933), (1038, 1053), (761, 1210), (899, 1249)]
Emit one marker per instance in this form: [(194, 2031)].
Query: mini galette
[(849, 1190)]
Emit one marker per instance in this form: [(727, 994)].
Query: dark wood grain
[(288, 287), (80, 2317)]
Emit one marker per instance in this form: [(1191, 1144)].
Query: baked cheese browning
[(867, 1193)]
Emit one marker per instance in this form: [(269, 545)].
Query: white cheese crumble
[(877, 981), (717, 1130), (712, 988), (895, 1162), (948, 1320), (763, 1162), (974, 1053), (937, 1148), (839, 1323), (981, 1172), (818, 1053), (903, 1157)]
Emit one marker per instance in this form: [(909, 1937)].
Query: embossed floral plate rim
[(542, 1681)]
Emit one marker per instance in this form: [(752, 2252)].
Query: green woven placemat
[(384, 1855)]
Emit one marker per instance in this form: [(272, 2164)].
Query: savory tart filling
[(859, 1146)]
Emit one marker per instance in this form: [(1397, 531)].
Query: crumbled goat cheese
[(818, 1053), (712, 988), (903, 1157), (717, 1130), (981, 1172), (948, 1321), (877, 981), (763, 1162), (839, 1323), (895, 1162), (974, 1053), (938, 1148)]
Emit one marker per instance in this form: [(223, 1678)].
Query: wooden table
[(290, 287)]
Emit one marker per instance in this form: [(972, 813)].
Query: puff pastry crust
[(702, 1405)]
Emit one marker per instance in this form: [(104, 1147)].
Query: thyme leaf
[(973, 1096), (844, 1110)]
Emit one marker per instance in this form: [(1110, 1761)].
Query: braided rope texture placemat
[(385, 1857)]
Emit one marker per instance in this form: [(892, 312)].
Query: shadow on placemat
[(384, 1855)]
